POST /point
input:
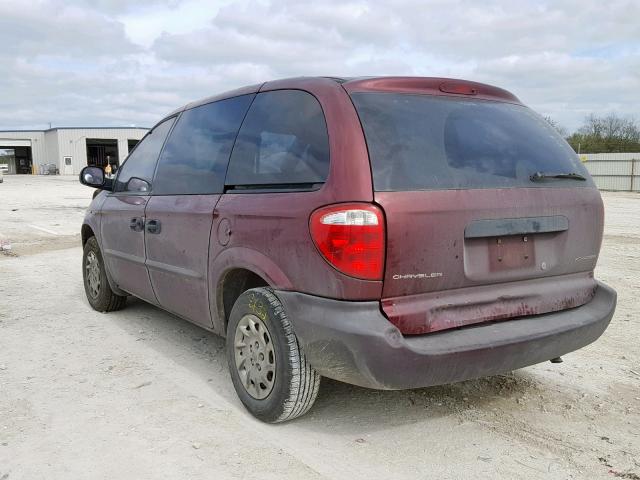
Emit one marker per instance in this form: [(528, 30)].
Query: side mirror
[(94, 177)]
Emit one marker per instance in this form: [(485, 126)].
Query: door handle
[(153, 226), (136, 224)]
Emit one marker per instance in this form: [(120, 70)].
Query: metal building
[(65, 150)]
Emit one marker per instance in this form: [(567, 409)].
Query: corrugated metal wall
[(73, 143), (51, 146), (51, 140), (35, 140), (614, 171)]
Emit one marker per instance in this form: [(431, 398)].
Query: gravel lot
[(142, 394)]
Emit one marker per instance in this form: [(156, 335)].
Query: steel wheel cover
[(255, 357), (92, 272)]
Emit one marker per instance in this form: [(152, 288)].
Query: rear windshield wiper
[(538, 176)]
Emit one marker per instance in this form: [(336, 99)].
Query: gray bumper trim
[(355, 343)]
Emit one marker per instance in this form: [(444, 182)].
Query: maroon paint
[(122, 248), (425, 235), (440, 310), (428, 86), (275, 226), (269, 234), (177, 257)]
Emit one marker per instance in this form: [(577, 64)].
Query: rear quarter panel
[(275, 226)]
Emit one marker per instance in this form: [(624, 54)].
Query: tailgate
[(457, 257), (490, 214)]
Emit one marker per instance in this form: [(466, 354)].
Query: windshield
[(425, 142)]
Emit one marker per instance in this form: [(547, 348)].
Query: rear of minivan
[(493, 229), (386, 232)]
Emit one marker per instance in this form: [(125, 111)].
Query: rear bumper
[(353, 342)]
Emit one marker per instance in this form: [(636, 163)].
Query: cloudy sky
[(119, 62)]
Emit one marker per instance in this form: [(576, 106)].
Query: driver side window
[(137, 172)]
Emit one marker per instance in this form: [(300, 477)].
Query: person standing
[(107, 168)]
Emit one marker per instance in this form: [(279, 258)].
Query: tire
[(293, 385), (96, 284)]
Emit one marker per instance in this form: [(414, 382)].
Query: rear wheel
[(96, 285), (269, 371)]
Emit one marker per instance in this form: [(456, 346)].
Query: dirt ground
[(142, 394)]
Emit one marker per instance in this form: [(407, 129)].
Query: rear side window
[(195, 157), (141, 164), (283, 141), (422, 142)]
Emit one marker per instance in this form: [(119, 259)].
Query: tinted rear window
[(421, 142), (283, 140)]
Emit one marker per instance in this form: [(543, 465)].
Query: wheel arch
[(235, 271), (233, 284), (86, 233)]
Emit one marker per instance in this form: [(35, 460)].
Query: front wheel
[(270, 373), (96, 284)]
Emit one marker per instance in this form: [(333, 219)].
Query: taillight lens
[(351, 237)]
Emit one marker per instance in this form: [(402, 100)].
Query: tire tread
[(306, 381), (300, 391)]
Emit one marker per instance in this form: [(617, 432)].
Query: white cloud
[(118, 62), (145, 23)]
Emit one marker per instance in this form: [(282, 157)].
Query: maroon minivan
[(386, 232)]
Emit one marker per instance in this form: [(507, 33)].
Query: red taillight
[(351, 237)]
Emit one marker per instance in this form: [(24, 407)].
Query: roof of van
[(415, 85)]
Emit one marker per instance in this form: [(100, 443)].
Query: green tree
[(606, 134)]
